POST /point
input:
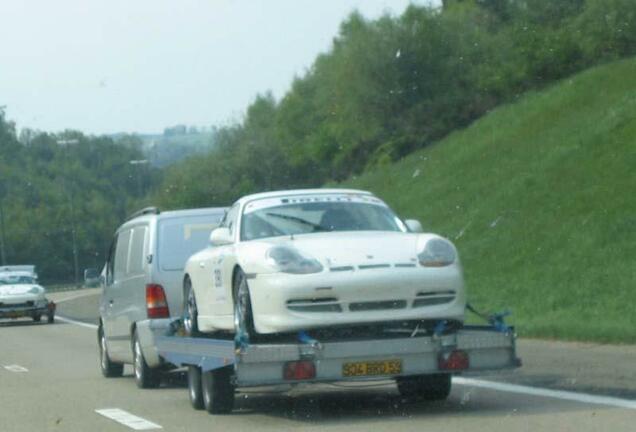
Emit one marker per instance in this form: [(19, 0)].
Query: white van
[(142, 286)]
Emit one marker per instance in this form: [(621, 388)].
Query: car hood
[(18, 290), (341, 249)]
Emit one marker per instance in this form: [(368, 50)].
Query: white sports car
[(297, 260), (21, 296)]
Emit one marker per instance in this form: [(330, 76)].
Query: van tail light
[(299, 370), (156, 303), (454, 360)]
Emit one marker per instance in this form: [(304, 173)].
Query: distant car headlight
[(289, 260), (437, 253), (36, 290)]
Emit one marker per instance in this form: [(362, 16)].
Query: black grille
[(377, 305)]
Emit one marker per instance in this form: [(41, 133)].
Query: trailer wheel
[(145, 376), (194, 387), (243, 318), (190, 311), (427, 387), (108, 368), (218, 391)]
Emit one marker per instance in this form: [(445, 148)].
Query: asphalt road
[(50, 381)]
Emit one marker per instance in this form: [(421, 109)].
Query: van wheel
[(145, 377), (243, 318), (218, 391), (190, 311), (108, 368), (194, 387), (427, 387)]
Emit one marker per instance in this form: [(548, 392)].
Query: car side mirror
[(414, 225), (221, 236)]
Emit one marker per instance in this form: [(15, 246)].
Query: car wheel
[(190, 312), (145, 376), (243, 318), (108, 368), (428, 387), (218, 391), (194, 387), (37, 318)]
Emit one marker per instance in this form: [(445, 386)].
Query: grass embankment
[(540, 198)]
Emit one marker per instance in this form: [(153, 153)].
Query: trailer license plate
[(372, 368)]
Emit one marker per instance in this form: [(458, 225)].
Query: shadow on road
[(23, 322), (324, 403)]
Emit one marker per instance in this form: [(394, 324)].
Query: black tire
[(145, 376), (190, 311), (427, 387), (243, 318), (50, 318), (37, 318), (194, 387), (218, 390), (109, 369)]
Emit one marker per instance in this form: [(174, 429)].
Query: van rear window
[(180, 238)]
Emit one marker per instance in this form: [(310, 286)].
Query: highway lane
[(62, 387)]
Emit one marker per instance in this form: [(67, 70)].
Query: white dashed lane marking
[(127, 419), (16, 368)]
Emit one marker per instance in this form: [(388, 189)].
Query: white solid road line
[(499, 386), (79, 323), (557, 394), (128, 419), (16, 368)]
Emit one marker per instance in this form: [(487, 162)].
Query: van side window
[(110, 262), (137, 243), (120, 265)]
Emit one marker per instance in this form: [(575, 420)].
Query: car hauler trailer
[(421, 364)]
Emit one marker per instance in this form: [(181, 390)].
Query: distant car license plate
[(372, 368)]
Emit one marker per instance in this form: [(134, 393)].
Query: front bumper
[(352, 298), (148, 330), (25, 310)]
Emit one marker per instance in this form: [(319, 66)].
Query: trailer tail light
[(299, 370), (454, 360), (156, 303)]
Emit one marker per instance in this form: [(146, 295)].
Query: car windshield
[(322, 215), (16, 280)]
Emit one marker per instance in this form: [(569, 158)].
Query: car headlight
[(437, 253), (289, 260), (36, 290)]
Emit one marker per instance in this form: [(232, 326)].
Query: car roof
[(293, 192), (176, 214)]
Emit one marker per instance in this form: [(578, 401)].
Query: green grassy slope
[(540, 198)]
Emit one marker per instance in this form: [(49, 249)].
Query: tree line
[(63, 195), (393, 85)]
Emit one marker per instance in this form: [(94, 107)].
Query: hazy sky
[(105, 66)]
